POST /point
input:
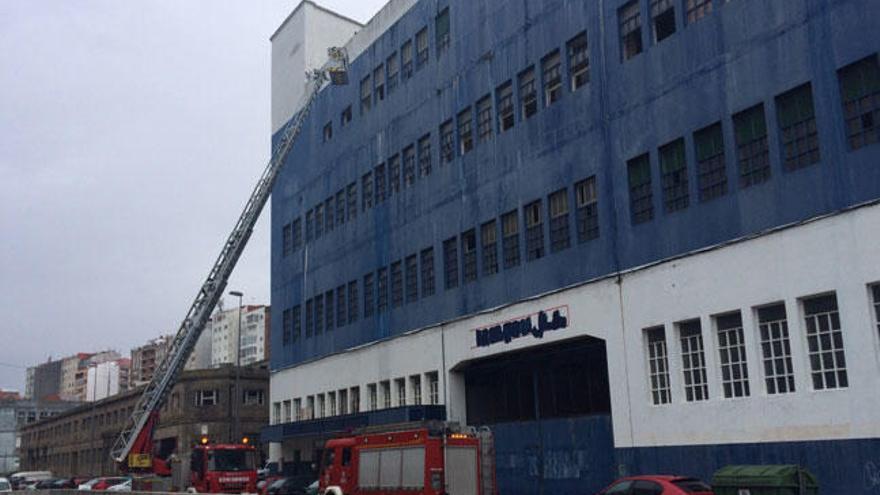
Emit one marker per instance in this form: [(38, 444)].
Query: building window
[(484, 118), (396, 284), (369, 295), (320, 406), (510, 239), (797, 127), (412, 278), (860, 96), (319, 221), (286, 241), (382, 286), (427, 267), (875, 294), (711, 170), (447, 142), (310, 317), (469, 255), (559, 230), (392, 69), (489, 238), (341, 307), (352, 201), (658, 366), (373, 395), (415, 383), (380, 179), (329, 310), (340, 207), (751, 146), (319, 314), (673, 171), (310, 226), (534, 231), (551, 69), (297, 409), (342, 395), (732, 352), (400, 385), (276, 413), (528, 93), (354, 394), (776, 349), (206, 398), (697, 9), (450, 263), (386, 393), (630, 20), (296, 316), (433, 379), (328, 131), (409, 165), (379, 82), (329, 214), (587, 209), (296, 227), (578, 61), (465, 132), (394, 174), (286, 326), (367, 190), (288, 417), (825, 343), (331, 398), (641, 199), (425, 155), (663, 19), (366, 95), (310, 407), (352, 301), (406, 53), (441, 30), (504, 97), (345, 117), (693, 361), (421, 48)]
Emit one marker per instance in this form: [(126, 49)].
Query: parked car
[(5, 485), (125, 486), (103, 483), (291, 485), (22, 479), (46, 484), (657, 485), (65, 484)]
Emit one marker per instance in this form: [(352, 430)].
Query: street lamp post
[(236, 431)]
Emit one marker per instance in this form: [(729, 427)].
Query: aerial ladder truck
[(134, 447)]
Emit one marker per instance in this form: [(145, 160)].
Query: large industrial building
[(628, 236)]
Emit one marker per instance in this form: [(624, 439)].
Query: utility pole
[(236, 400)]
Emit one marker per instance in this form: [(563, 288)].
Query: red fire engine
[(422, 460), (223, 468)]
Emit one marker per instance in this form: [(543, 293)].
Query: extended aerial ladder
[(136, 437)]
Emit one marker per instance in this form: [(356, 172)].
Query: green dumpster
[(784, 479)]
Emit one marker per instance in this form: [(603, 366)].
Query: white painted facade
[(224, 331), (837, 254), (103, 380), (299, 45)]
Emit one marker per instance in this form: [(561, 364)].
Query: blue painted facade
[(744, 53)]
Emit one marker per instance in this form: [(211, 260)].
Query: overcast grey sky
[(131, 134)]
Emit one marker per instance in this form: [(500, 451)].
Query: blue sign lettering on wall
[(534, 324)]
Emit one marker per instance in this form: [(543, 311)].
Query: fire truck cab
[(403, 462), (223, 468)]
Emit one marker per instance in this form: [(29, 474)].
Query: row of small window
[(822, 332), (407, 391), (402, 169), (398, 68), (211, 397), (798, 136), (413, 277), (663, 23)]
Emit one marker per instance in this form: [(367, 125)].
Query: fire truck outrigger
[(428, 459)]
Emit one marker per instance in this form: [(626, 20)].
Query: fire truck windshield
[(231, 460)]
